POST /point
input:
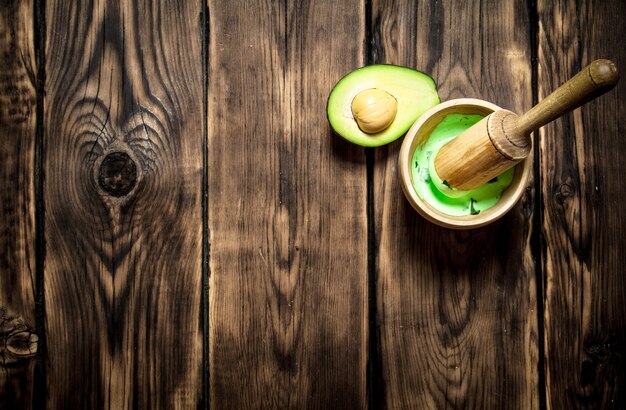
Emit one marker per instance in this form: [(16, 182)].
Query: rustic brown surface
[(583, 182), (302, 278), (123, 266), (287, 209), (456, 310), (18, 342)]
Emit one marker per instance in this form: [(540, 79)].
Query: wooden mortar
[(420, 132), (502, 139)]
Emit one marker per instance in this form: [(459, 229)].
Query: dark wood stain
[(583, 186), (18, 339), (123, 165), (288, 261), (456, 310), (180, 228)]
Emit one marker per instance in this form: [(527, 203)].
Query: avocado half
[(414, 91)]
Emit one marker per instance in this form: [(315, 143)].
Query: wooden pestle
[(502, 139)]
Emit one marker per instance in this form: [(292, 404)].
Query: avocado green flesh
[(415, 92)]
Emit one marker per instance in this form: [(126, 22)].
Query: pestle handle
[(591, 82), (502, 139)]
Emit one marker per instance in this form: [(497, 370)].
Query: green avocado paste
[(425, 183)]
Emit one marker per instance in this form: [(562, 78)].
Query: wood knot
[(17, 340), (117, 175), (563, 192)]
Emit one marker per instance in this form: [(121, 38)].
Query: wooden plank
[(583, 181), (287, 209), (123, 192), (456, 310), (18, 342)]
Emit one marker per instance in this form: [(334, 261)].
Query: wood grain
[(287, 209), (583, 184), (123, 187), (456, 311), (18, 341)]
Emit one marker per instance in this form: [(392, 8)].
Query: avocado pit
[(374, 110)]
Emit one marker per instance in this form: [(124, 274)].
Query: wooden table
[(180, 228)]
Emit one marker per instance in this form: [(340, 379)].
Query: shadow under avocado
[(344, 150)]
